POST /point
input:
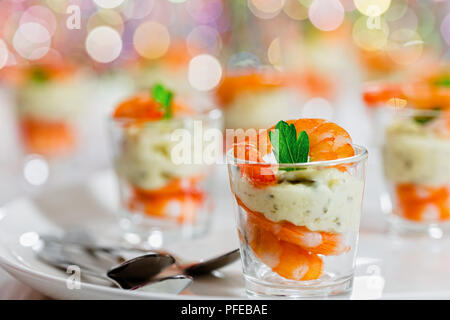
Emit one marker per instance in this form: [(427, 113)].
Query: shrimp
[(260, 175), (234, 84), (285, 259), (422, 93), (374, 93), (47, 138), (318, 242), (142, 108), (327, 140), (181, 206), (423, 203)]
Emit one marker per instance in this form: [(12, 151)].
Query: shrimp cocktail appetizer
[(299, 189), (253, 98), (163, 197), (414, 119), (49, 99)]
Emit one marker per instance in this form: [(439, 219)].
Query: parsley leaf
[(287, 147), (442, 81), (164, 97), (39, 75), (302, 147), (425, 119)]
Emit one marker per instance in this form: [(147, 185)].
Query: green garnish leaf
[(287, 146), (442, 81), (422, 120), (164, 97), (302, 147), (39, 75)]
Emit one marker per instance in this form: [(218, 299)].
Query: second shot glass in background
[(413, 129), (162, 199)]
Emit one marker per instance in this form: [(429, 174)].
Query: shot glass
[(299, 236), (416, 160), (49, 108), (163, 177)]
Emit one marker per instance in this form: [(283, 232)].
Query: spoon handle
[(64, 264)]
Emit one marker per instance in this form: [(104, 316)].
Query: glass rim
[(210, 114), (361, 154)]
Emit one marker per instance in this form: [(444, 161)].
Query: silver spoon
[(133, 274), (82, 238)]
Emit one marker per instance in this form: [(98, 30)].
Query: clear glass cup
[(164, 197), (299, 236), (416, 159), (48, 116)]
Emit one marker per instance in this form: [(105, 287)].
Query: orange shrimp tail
[(285, 259), (423, 203), (376, 94), (180, 200), (47, 138), (260, 175), (317, 242)]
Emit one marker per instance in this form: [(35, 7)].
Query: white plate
[(386, 268)]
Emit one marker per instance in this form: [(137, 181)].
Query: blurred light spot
[(36, 171), (177, 1), (306, 3), (385, 203), (318, 108), (244, 60), (267, 11), (132, 238), (29, 239), (40, 15), (163, 13), (372, 8), (137, 9), (204, 11), (104, 44), (368, 287), (3, 53), (2, 214), (445, 29), (435, 233), (108, 4), (396, 10), (32, 41), (105, 17), (295, 10), (348, 5), (205, 72), (326, 15), (427, 21), (370, 35), (215, 114), (408, 21), (203, 38), (59, 6), (268, 6), (151, 40), (274, 53), (155, 240), (405, 46)]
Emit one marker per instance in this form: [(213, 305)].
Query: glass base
[(261, 289), (399, 226), (154, 234)]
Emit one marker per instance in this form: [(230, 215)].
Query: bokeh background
[(109, 49)]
